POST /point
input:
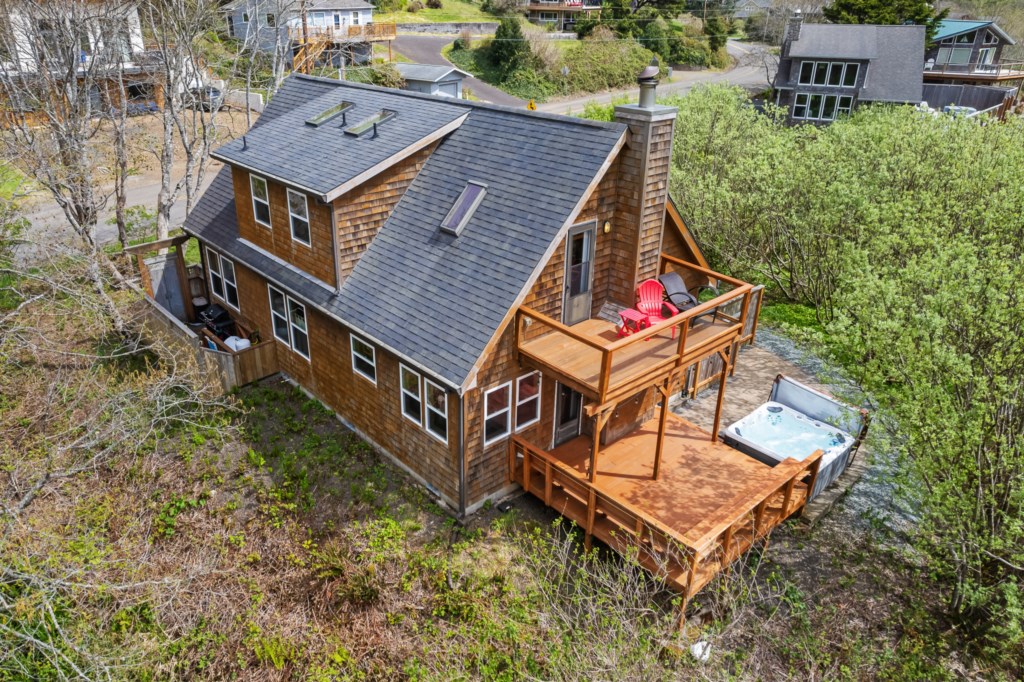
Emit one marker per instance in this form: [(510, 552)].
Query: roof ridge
[(557, 118)]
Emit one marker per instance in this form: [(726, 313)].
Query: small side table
[(632, 321)]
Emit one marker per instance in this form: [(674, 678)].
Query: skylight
[(367, 124), (328, 114), (464, 207)]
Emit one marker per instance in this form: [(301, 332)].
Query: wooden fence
[(222, 368)]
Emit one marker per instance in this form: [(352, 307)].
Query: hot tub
[(796, 422)]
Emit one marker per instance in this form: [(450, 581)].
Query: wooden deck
[(579, 364), (708, 506), (590, 357)]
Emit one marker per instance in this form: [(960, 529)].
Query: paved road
[(426, 49), (748, 73), (49, 223)]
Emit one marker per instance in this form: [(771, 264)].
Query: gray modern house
[(827, 70), (433, 79)]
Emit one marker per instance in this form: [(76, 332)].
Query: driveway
[(748, 73), (426, 49)]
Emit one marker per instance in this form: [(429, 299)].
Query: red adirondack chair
[(650, 300)]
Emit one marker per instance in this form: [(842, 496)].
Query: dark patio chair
[(681, 297)]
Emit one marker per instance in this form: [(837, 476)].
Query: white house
[(266, 23)]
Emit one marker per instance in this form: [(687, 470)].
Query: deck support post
[(662, 419), (599, 421), (721, 396)]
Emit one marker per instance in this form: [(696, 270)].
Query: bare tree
[(176, 28)]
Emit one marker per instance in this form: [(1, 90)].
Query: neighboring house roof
[(895, 55), (429, 73), (316, 5), (321, 159), (434, 299), (954, 27)]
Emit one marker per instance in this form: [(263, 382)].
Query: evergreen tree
[(510, 50), (717, 32), (886, 12)]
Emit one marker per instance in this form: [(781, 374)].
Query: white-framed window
[(411, 393), (821, 107), (437, 410), (962, 39), (337, 20), (497, 413), (834, 74), (271, 20), (298, 216), (355, 18), (527, 400), (991, 38), (223, 283), (957, 56), (300, 333), (288, 318), (260, 200), (364, 359), (547, 17), (279, 314)]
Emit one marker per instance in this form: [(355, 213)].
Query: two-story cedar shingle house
[(446, 276), (827, 70)]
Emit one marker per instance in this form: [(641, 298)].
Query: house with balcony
[(459, 282), (332, 32), (560, 14), (970, 51), (100, 43), (828, 70)]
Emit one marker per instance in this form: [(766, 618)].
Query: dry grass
[(262, 541)]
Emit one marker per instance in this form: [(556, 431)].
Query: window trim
[(291, 328), (215, 257), (403, 392), (428, 408), (273, 329), (252, 194), (292, 217), (507, 410), (289, 322), (520, 403), (829, 67), (372, 361)]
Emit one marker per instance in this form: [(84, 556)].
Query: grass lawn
[(11, 180), (452, 11)]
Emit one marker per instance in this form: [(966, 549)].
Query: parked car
[(206, 98)]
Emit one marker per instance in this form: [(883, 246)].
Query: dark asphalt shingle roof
[(434, 299), (282, 146), (895, 56)]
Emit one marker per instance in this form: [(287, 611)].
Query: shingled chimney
[(643, 176)]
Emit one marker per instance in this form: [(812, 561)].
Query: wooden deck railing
[(688, 559), (732, 306), (383, 31)]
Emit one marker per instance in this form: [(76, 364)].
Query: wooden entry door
[(568, 412), (579, 273)]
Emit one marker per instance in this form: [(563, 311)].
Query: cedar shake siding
[(360, 213), (374, 411), (316, 259)]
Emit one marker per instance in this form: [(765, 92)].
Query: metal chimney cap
[(649, 74)]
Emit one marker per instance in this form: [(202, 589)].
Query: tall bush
[(509, 50), (904, 232)]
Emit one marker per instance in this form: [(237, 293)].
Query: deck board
[(699, 482), (583, 363)]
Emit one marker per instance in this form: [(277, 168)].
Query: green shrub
[(435, 4), (509, 50), (414, 6)]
